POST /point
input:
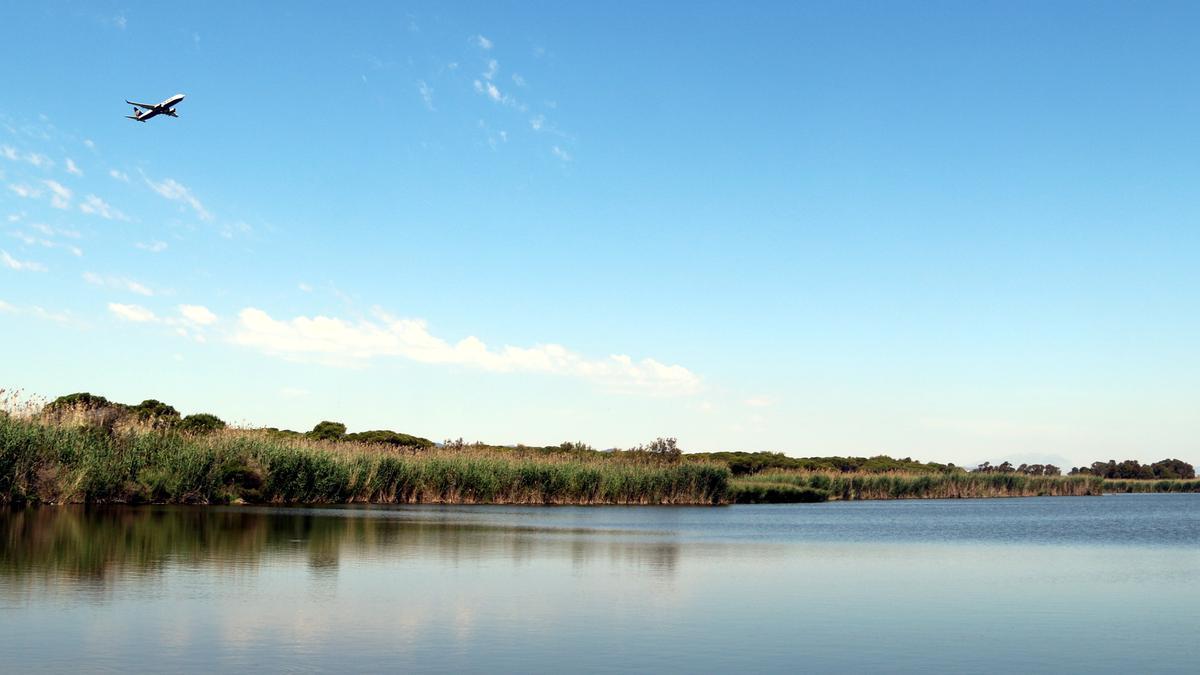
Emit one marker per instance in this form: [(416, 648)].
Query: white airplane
[(167, 107)]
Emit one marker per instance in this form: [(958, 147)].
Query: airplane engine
[(171, 112)]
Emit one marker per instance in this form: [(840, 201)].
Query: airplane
[(167, 107)]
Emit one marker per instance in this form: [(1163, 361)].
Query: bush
[(328, 431), (200, 423), (79, 401), (388, 437), (155, 413)]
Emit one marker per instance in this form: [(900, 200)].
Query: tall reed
[(63, 463)]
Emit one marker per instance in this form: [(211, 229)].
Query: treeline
[(152, 413), (1131, 469), (158, 415), (746, 463)]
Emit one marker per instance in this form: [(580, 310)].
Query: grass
[(66, 463), (77, 460), (812, 486)]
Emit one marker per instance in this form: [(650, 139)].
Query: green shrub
[(200, 423), (328, 431)]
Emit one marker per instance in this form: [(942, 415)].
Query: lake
[(1108, 584)]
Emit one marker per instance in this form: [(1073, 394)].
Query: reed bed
[(42, 462), (777, 486), (804, 486)]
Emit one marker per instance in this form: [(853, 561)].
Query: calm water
[(1099, 584)]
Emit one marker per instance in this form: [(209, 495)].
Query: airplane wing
[(147, 106)]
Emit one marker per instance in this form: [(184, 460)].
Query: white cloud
[(493, 93), (20, 265), (152, 246), (305, 288), (518, 80), (483, 42), (493, 67), (135, 313), (24, 191), (60, 196), (337, 342), (198, 314), (119, 175), (119, 283), (72, 168), (119, 21), (55, 231), (760, 401), (12, 154), (426, 93), (176, 191), (537, 122), (97, 206), (40, 161), (36, 311), (91, 145), (561, 154), (293, 392)]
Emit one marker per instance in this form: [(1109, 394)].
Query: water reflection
[(896, 587), (94, 546)]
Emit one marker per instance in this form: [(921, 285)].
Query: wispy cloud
[(119, 175), (152, 246), (426, 93), (482, 42), (25, 191), (172, 189), (12, 154), (60, 196), (118, 283), (759, 401), (135, 313), (37, 312), (198, 314), (72, 168), (337, 342), (561, 154), (96, 206), (20, 265)]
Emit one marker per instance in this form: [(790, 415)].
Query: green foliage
[(80, 401), (155, 413), (328, 431), (745, 463), (746, 492), (855, 486), (1133, 469), (388, 437), (51, 463), (200, 423)]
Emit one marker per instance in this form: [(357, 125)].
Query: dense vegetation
[(72, 463), (1169, 469), (85, 448)]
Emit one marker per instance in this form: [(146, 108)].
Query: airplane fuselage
[(167, 107)]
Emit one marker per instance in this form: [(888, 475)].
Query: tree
[(155, 413), (328, 431), (200, 423), (388, 437), (662, 448), (1173, 468), (81, 400)]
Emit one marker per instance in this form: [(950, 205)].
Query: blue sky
[(958, 232)]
